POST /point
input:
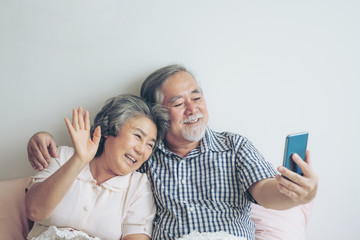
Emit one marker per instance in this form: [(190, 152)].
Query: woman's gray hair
[(151, 87), (118, 110)]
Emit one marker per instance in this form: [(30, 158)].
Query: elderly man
[(203, 180)]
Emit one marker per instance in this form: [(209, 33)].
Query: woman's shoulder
[(64, 153), (140, 179), (138, 176)]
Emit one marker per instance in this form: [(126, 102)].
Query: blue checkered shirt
[(206, 190)]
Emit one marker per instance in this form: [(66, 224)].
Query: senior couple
[(200, 179)]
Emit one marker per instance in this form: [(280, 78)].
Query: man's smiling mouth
[(193, 119)]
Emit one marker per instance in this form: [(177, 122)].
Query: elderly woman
[(94, 189)]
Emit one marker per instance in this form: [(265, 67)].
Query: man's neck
[(181, 149)]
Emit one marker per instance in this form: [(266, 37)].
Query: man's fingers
[(301, 189), (44, 152), (53, 148), (37, 164), (304, 165), (290, 174), (290, 184), (291, 189), (31, 157), (308, 157), (41, 147), (38, 159), (291, 194)]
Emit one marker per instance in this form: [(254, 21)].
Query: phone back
[(295, 143)]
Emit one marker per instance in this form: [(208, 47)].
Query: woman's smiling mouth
[(131, 158)]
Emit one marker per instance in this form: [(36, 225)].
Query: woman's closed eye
[(140, 137), (150, 145)]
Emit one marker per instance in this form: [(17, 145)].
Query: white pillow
[(195, 235)]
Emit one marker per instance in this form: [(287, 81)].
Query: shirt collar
[(214, 142), (211, 141), (115, 184)]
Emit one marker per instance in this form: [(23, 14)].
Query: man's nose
[(190, 108)]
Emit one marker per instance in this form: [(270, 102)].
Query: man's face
[(187, 107)]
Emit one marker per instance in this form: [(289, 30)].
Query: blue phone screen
[(295, 143)]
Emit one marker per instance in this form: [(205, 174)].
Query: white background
[(268, 68)]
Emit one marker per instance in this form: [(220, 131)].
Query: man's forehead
[(179, 85)]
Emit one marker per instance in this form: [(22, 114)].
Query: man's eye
[(137, 136), (178, 105), (151, 146), (197, 99)]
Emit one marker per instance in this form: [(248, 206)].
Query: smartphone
[(295, 143)]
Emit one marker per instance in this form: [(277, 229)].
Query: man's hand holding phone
[(301, 188)]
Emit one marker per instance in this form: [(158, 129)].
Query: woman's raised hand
[(79, 130)]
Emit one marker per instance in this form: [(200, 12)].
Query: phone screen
[(295, 143)]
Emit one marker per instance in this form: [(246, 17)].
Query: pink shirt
[(121, 206)]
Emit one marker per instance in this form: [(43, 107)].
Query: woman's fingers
[(79, 121), (80, 118), (87, 120), (69, 127), (97, 135), (79, 130), (75, 120)]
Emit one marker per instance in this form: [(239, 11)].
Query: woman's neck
[(99, 172)]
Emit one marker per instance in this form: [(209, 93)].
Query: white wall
[(268, 68)]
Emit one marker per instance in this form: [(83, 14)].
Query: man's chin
[(194, 134)]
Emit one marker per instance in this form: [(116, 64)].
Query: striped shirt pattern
[(206, 190)]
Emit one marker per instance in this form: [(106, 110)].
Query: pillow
[(13, 221), (280, 224)]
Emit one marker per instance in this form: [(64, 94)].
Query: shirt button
[(85, 209), (183, 181), (192, 209)]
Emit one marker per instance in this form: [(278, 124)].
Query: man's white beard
[(193, 134)]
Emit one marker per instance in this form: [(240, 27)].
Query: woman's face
[(133, 145)]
